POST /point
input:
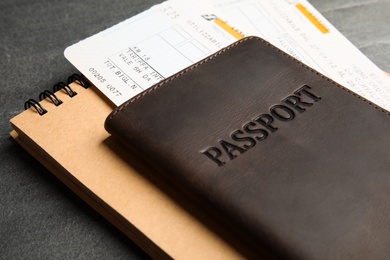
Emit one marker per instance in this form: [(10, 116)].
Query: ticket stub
[(131, 56)]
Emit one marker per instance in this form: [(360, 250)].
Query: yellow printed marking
[(312, 19), (236, 34)]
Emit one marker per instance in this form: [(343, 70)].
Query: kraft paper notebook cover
[(70, 140), (283, 156)]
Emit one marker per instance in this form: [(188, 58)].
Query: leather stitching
[(164, 82), (117, 110)]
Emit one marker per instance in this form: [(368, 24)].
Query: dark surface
[(39, 217)]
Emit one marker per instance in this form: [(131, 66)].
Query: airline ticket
[(130, 57)]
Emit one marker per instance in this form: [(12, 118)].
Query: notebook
[(70, 140)]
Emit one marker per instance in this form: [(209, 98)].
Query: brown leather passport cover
[(275, 150)]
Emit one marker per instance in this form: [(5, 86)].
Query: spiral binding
[(67, 88), (38, 107), (79, 79), (48, 94)]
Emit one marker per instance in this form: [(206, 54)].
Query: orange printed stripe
[(229, 29), (312, 19)]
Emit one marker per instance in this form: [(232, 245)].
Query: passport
[(283, 157)]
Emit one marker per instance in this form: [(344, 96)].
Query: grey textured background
[(39, 217)]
